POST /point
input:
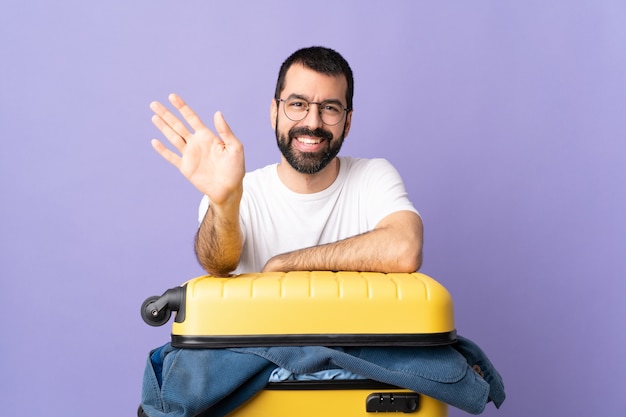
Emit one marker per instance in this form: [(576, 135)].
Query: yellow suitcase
[(338, 398), (313, 308)]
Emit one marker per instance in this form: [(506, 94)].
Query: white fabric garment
[(276, 220)]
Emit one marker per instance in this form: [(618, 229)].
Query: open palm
[(214, 164)]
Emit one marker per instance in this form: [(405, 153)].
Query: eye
[(331, 108), (297, 104)]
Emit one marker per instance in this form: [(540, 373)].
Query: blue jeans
[(183, 382)]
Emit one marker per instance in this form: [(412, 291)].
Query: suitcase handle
[(157, 310)]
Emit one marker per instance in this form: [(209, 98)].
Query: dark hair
[(322, 60)]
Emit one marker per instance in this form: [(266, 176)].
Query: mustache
[(304, 131)]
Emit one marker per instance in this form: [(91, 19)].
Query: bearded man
[(314, 210)]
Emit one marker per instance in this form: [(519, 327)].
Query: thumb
[(223, 129)]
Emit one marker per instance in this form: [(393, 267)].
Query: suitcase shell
[(338, 398), (312, 308)]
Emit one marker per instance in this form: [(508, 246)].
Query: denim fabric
[(183, 382), (481, 364)]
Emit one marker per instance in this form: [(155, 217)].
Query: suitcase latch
[(392, 402)]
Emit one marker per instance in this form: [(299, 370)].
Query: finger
[(224, 130), (170, 119), (167, 154), (171, 135), (188, 114)]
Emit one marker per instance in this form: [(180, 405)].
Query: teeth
[(309, 141)]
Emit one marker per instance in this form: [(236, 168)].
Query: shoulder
[(263, 172), (373, 174), (361, 166), (261, 177)]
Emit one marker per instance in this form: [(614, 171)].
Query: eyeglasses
[(331, 112)]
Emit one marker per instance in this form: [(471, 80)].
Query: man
[(313, 210)]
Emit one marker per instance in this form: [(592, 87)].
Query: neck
[(308, 183)]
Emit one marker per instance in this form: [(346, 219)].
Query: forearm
[(391, 247), (218, 242)]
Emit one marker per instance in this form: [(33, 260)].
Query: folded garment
[(183, 382), (282, 375)]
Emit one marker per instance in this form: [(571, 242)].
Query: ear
[(346, 128), (273, 113)]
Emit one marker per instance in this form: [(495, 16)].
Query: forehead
[(315, 86)]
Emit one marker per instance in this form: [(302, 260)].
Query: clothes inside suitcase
[(313, 308)]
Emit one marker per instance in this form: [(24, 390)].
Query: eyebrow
[(330, 100)]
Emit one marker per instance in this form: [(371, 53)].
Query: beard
[(309, 162)]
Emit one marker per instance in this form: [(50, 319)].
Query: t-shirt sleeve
[(203, 208), (386, 193)]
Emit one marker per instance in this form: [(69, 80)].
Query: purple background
[(506, 119)]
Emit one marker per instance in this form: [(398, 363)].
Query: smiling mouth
[(309, 140)]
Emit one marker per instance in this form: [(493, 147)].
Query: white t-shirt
[(276, 220)]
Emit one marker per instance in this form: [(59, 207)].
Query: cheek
[(285, 126), (346, 127), (338, 132)]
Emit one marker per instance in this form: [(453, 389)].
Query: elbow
[(410, 256), (404, 261), (407, 238), (410, 263), (218, 264), (417, 264), (220, 271), (219, 274)]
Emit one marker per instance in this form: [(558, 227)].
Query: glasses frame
[(306, 113)]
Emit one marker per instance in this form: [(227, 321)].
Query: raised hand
[(214, 164)]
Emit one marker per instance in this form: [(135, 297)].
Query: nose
[(313, 116)]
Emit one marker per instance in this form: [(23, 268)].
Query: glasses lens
[(296, 109), (331, 113)]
